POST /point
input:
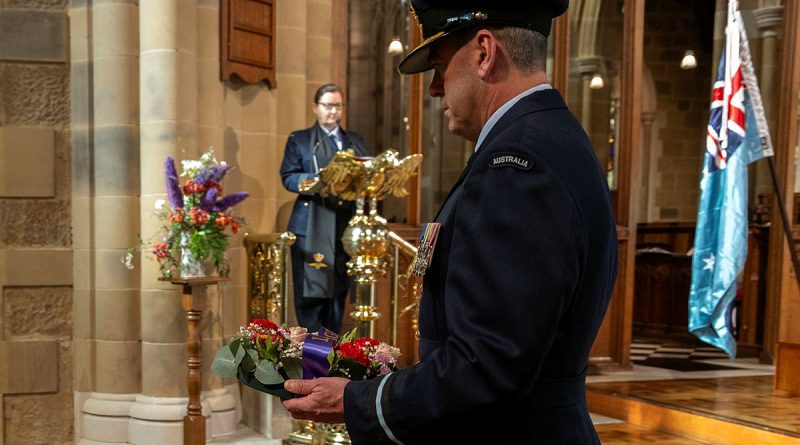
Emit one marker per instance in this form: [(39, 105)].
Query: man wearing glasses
[(319, 262)]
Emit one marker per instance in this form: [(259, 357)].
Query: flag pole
[(766, 141), (787, 224)]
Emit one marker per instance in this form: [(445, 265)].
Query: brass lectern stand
[(366, 239)]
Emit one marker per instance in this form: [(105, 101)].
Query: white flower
[(127, 260), (208, 158), (191, 168), (160, 204)]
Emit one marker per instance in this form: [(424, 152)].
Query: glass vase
[(191, 266)]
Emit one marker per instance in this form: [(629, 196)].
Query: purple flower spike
[(219, 172), (173, 185), (209, 199), (204, 176), (229, 201)]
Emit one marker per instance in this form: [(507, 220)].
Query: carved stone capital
[(769, 20), (647, 118), (589, 66)]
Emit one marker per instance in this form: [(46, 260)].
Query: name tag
[(515, 160)]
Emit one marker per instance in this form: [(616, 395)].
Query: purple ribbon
[(315, 353)]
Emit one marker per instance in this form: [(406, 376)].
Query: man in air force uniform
[(522, 272)]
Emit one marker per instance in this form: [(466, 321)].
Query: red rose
[(266, 324), (366, 342), (354, 351)]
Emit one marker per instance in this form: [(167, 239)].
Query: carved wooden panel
[(247, 29)]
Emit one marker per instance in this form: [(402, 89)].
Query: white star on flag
[(709, 262)]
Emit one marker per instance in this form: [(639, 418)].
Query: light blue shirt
[(504, 108), (337, 135)]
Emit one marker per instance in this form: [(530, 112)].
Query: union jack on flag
[(727, 106)]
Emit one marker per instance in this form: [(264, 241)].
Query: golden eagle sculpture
[(350, 177)]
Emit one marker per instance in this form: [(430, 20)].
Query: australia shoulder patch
[(509, 159)]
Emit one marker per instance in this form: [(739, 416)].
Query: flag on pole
[(737, 135)]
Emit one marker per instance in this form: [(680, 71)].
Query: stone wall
[(146, 84), (682, 98), (35, 261)]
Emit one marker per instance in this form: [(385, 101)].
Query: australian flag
[(734, 139)]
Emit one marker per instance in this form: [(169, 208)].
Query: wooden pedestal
[(194, 424)]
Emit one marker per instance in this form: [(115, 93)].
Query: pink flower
[(297, 334), (385, 353)]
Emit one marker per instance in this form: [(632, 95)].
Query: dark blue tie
[(334, 140)]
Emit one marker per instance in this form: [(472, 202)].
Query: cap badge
[(468, 17)]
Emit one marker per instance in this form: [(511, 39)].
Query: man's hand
[(323, 399), (310, 185)]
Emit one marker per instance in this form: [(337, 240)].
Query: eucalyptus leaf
[(252, 360), (267, 374), (293, 367), (254, 355), (224, 363), (349, 336), (239, 355), (248, 364), (234, 345)]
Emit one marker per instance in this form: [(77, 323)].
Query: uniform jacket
[(298, 165), (518, 285)]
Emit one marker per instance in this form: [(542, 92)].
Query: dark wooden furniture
[(661, 289), (663, 279), (247, 30)]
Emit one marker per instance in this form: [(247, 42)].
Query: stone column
[(223, 302), (769, 22), (318, 41), (168, 121), (588, 67), (262, 135), (105, 216), (647, 119)]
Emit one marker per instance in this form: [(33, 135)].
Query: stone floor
[(246, 436)]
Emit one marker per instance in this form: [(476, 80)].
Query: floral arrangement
[(362, 358), (196, 219), (263, 355)]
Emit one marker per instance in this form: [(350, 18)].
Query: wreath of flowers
[(264, 354)]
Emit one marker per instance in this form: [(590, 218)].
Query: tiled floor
[(642, 350), (643, 354)]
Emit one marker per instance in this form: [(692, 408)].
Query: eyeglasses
[(329, 107)]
